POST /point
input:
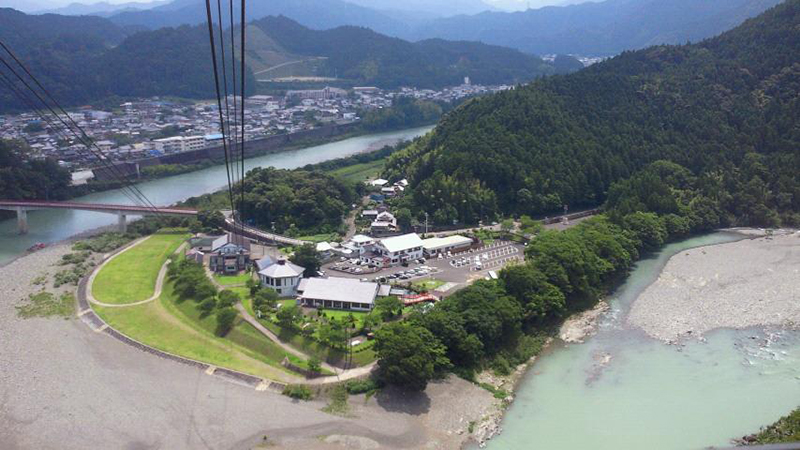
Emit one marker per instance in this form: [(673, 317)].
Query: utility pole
[(426, 223)]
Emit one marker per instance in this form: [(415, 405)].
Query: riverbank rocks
[(580, 326)]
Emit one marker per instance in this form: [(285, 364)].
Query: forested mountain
[(317, 14), (85, 59), (726, 110), (365, 56), (598, 29)]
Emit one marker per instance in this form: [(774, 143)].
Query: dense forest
[(88, 59), (32, 179), (725, 110), (290, 202)]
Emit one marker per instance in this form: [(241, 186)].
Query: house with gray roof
[(338, 293), (283, 277)]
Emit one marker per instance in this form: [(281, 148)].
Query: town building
[(400, 249), (230, 254), (283, 277), (452, 244), (384, 224), (337, 293)]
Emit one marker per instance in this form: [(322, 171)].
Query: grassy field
[(428, 284), (360, 172), (131, 276), (232, 280), (177, 328)]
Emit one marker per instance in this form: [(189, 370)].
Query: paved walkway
[(341, 374)]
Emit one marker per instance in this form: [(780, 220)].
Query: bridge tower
[(22, 220), (122, 222)]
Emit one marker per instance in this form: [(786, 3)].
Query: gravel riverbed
[(749, 283)]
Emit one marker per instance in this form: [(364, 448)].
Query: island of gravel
[(749, 283)]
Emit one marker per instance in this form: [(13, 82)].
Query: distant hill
[(84, 58), (366, 57), (597, 29), (727, 109)]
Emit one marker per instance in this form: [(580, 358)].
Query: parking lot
[(457, 269)]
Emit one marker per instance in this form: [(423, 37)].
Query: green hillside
[(725, 109)]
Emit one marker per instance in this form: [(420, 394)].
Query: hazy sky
[(515, 4)]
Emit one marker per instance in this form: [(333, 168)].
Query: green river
[(650, 395), (55, 225)]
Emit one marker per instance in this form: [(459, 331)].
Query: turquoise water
[(650, 395), (56, 225)]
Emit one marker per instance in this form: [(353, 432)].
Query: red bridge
[(122, 211)]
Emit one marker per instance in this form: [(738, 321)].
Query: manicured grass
[(131, 276), (177, 328), (232, 280), (360, 172), (428, 284), (339, 315)]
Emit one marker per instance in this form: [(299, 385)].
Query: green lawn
[(338, 315), (176, 327), (360, 172), (131, 276), (428, 284), (232, 280)]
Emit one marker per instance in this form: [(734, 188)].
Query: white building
[(283, 277), (435, 246), (194, 143), (399, 249), (337, 293), (169, 145)]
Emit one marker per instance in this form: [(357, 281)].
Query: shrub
[(355, 387), (225, 319), (298, 392)]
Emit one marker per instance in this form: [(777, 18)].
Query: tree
[(306, 256), (207, 306), (529, 286), (409, 355), (314, 365), (507, 225), (225, 320), (288, 315), (265, 297), (404, 217), (211, 219), (228, 298), (388, 307)]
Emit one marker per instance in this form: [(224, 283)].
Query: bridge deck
[(99, 207)]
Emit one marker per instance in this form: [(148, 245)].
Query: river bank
[(613, 350)]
